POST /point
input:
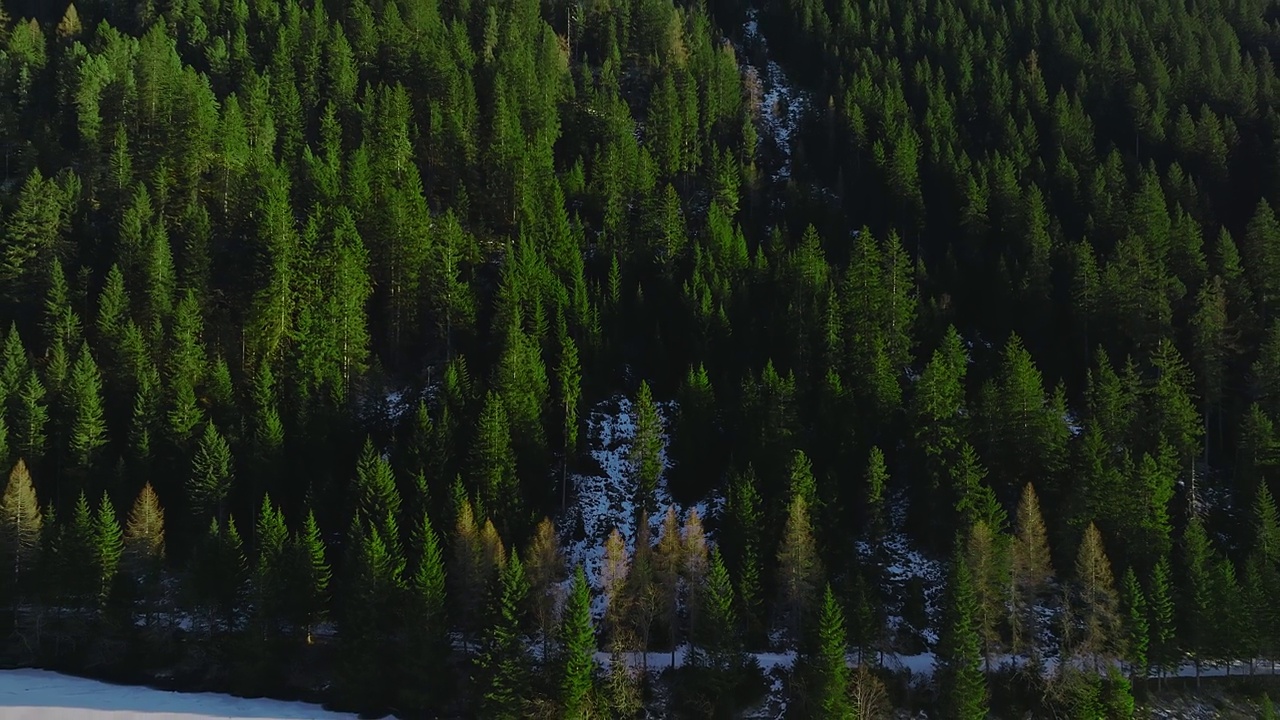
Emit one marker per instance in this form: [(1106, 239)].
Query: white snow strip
[(45, 695)]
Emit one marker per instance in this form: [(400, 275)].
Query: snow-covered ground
[(604, 499), (44, 695), (905, 566), (783, 106)]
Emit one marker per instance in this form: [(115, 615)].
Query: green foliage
[(646, 449), (1164, 650), (88, 425), (1137, 627), (212, 473), (578, 642), (504, 660), (960, 656), (832, 692), (236, 235), (108, 546), (493, 465)]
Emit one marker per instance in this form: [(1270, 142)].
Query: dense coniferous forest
[(467, 358)]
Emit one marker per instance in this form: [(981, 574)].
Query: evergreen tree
[(1137, 628), (960, 654), (646, 450), (1266, 526), (81, 577), (313, 588), (832, 692), (494, 466), (1164, 651), (88, 426), (32, 419), (578, 645), (270, 572), (427, 615), (212, 473), (569, 391), (1196, 609), (718, 632), (504, 659), (108, 547), (377, 496), (985, 552)]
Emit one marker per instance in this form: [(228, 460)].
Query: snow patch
[(605, 500), (44, 695), (904, 566), (783, 106)]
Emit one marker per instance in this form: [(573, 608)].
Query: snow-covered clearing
[(605, 499), (44, 695), (905, 566), (783, 106)]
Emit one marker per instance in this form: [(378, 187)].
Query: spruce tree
[(493, 464), (578, 642), (313, 589), (832, 691), (427, 615), (569, 392), (646, 450), (32, 419), (108, 547), (1137, 628), (1266, 525), (1164, 649), (376, 494), (88, 430), (963, 685), (212, 473), (270, 572), (81, 576), (504, 690), (1196, 611), (985, 553), (718, 633)]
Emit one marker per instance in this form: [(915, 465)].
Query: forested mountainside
[(505, 359)]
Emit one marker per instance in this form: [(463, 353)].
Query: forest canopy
[(468, 358)]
